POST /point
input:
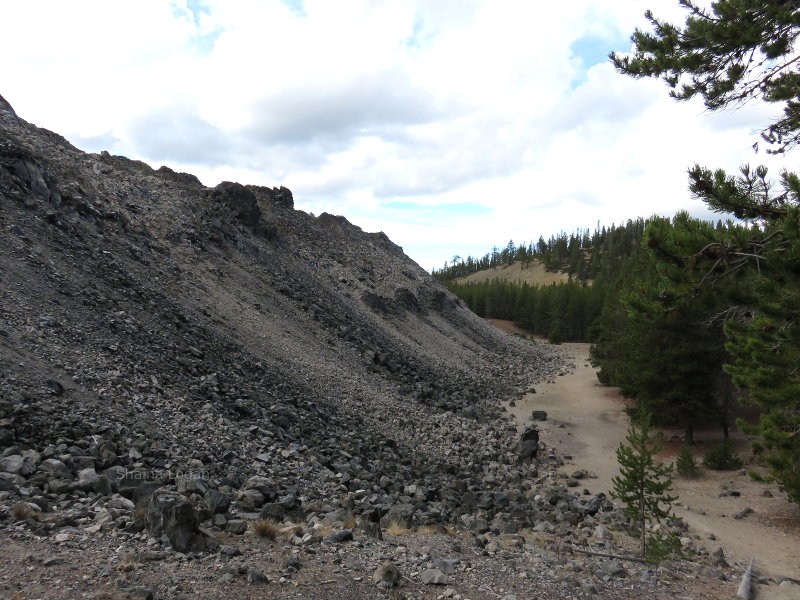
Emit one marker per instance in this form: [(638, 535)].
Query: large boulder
[(6, 433), (217, 502), (190, 483), (138, 485), (52, 467), (528, 444), (172, 514), (274, 511), (5, 106), (283, 197), (433, 577), (12, 464), (249, 500), (263, 485), (87, 479), (399, 514), (10, 482), (406, 298), (184, 178)]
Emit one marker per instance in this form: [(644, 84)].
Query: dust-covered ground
[(587, 422)]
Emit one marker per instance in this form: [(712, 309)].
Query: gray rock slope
[(150, 326)]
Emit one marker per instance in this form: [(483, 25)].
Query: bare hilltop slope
[(518, 272), (180, 362)]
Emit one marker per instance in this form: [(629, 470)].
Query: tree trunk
[(689, 434), (642, 525)]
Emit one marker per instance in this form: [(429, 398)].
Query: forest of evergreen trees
[(563, 311), (578, 254), (666, 354)]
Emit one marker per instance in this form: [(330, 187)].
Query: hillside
[(179, 362), (555, 288), (533, 273), (135, 298)]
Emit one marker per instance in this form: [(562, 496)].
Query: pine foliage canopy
[(733, 52)]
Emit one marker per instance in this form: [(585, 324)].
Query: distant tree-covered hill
[(555, 287), (580, 254)]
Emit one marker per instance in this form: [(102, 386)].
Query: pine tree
[(730, 53), (642, 484), (663, 356), (686, 463)]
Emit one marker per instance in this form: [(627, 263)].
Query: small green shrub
[(686, 463), (759, 478), (722, 457), (662, 546)]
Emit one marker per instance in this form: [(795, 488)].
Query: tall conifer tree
[(728, 54)]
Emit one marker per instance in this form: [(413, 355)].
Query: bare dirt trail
[(587, 421)]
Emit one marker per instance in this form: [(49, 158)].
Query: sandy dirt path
[(587, 422)]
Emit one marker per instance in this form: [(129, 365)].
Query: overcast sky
[(451, 125)]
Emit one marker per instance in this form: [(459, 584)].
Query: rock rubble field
[(207, 393)]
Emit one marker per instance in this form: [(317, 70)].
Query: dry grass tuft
[(21, 511), (428, 530), (451, 530), (138, 513), (537, 538), (349, 523), (396, 528), (266, 528), (130, 562), (512, 541)]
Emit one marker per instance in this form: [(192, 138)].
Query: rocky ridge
[(178, 363)]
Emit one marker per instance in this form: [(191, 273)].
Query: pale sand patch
[(594, 425)]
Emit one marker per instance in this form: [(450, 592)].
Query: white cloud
[(378, 109)]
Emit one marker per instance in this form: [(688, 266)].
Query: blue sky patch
[(197, 7), (414, 41), (201, 43), (593, 49), (297, 7)]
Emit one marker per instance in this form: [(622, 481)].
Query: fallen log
[(604, 555)]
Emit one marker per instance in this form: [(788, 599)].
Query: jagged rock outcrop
[(5, 106), (240, 200)]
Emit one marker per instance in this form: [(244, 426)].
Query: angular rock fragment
[(171, 514), (387, 575)]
